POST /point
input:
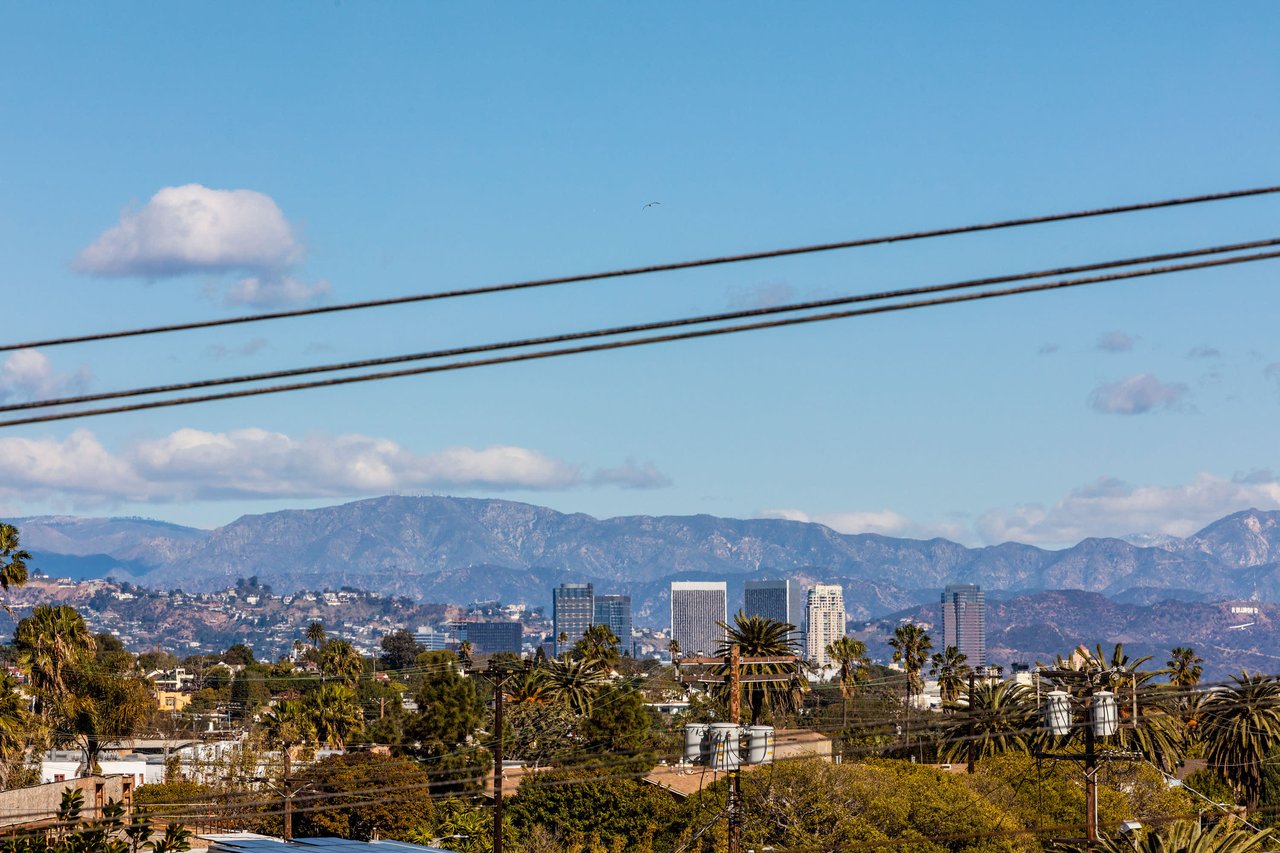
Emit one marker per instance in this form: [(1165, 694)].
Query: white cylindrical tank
[(759, 745), (695, 743), (724, 746), (1057, 712), (1105, 714)]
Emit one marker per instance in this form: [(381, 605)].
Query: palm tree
[(16, 725), (13, 560), (1187, 836), (52, 643), (528, 687), (1001, 717), (335, 713), (573, 682), (759, 636), (338, 659), (290, 725), (851, 656), (951, 668), (1184, 667), (315, 634), (1240, 727), (911, 647), (598, 647)]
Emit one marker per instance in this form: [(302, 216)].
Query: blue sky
[(390, 148)]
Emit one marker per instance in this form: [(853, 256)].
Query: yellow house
[(172, 700)]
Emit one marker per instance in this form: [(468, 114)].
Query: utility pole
[(973, 746), (735, 717), (733, 679), (1090, 777), (498, 676)]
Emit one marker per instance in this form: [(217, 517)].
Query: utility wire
[(634, 328), (643, 270), (634, 342)]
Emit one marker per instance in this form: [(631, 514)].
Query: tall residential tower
[(964, 622), (824, 617)]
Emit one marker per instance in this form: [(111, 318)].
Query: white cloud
[(28, 374), (1110, 507), (1115, 341), (270, 291), (193, 228), (886, 522), (1135, 395), (192, 464)]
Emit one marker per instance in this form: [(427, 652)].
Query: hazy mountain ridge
[(466, 549)]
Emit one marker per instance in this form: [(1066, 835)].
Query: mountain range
[(464, 549)]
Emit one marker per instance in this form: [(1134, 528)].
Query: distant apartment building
[(572, 612), (615, 611), (782, 601), (696, 608), (964, 622), (824, 621), (490, 638)]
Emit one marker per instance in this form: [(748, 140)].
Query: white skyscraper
[(825, 617), (696, 607)]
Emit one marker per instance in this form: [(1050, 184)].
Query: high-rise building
[(488, 638), (824, 621), (964, 621), (782, 601), (615, 611), (696, 607), (572, 609)]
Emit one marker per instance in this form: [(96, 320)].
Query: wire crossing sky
[(187, 165)]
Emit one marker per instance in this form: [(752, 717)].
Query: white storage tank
[(1105, 713), (724, 746), (759, 745), (1057, 712), (695, 743)]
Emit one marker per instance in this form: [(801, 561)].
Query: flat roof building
[(780, 600), (572, 612), (696, 607), (964, 622)]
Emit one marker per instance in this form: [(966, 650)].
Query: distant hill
[(463, 549)]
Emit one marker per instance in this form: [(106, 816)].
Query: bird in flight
[(650, 204)]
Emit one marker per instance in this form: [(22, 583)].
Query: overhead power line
[(643, 270), (641, 341), (630, 329)]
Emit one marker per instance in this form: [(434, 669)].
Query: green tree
[(1240, 727), (52, 643), (911, 646), (17, 727), (238, 655), (598, 647), (619, 733), (573, 682), (1184, 667), (399, 650), (759, 636), (449, 709), (1187, 836), (996, 718), (951, 668), (102, 707), (580, 801), (13, 560), (335, 712), (354, 794), (315, 634), (851, 656), (464, 827), (340, 660)]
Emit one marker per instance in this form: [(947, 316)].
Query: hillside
[(461, 549)]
